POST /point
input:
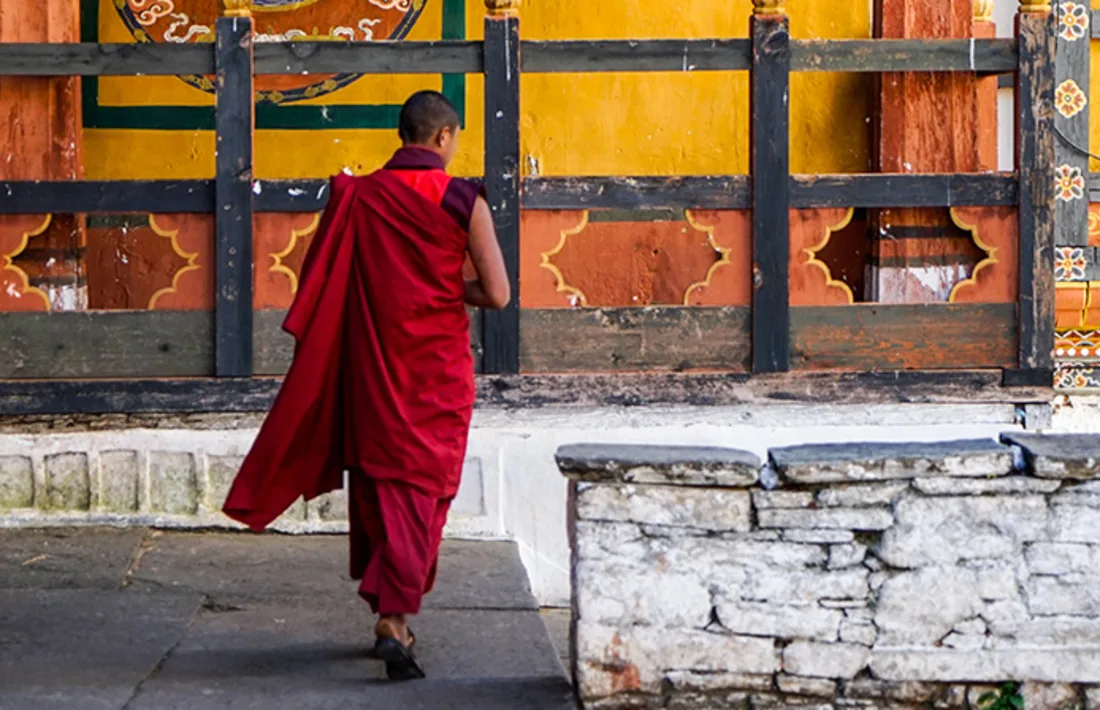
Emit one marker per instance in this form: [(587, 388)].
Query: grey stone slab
[(244, 570), (283, 657), (1074, 456), (557, 622), (840, 463), (66, 558), (669, 465), (87, 649)]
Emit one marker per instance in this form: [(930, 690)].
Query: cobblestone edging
[(836, 576)]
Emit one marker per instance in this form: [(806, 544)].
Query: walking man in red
[(382, 382)]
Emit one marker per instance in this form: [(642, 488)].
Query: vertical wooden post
[(1035, 166), (500, 329), (233, 188), (770, 143), (1071, 118)]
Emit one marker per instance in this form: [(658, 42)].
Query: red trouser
[(395, 532)]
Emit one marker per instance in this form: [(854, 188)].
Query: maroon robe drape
[(382, 379)]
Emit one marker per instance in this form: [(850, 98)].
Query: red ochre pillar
[(928, 123), (40, 122)]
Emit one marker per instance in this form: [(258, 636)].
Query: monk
[(382, 384)]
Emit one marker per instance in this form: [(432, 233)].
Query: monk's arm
[(490, 289)]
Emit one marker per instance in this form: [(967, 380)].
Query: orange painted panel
[(540, 233), (1070, 300), (811, 282), (16, 294), (279, 244), (996, 231)]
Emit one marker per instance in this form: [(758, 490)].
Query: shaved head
[(424, 115)]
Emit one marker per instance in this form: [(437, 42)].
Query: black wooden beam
[(729, 192), (897, 190), (134, 59), (667, 55), (440, 57), (991, 56), (500, 329), (255, 395), (771, 193), (233, 188), (41, 197), (1036, 162)]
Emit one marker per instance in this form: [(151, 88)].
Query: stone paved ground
[(141, 620)]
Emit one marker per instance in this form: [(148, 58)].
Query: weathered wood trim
[(872, 336), (251, 395), (384, 57), (134, 59), (45, 197), (635, 339), (666, 55), (1028, 378), (726, 192), (897, 190), (500, 329), (991, 56), (771, 192), (233, 196), (106, 344), (1035, 155)]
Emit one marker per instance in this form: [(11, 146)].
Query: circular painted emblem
[(276, 21)]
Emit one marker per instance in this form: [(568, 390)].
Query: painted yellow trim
[(989, 260), (279, 267), (10, 265), (723, 258), (189, 266), (562, 286), (812, 260)]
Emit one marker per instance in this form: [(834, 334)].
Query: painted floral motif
[(1094, 228), (1069, 99), (1069, 183), (1069, 264), (1075, 377), (1073, 22)]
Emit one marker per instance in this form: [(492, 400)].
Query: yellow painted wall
[(603, 124)]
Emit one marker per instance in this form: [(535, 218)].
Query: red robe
[(382, 379)]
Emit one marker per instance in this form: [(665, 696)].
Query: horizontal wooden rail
[(144, 58), (39, 197), (146, 396), (726, 192), (465, 57), (440, 57)]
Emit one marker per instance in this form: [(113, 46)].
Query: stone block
[(904, 692), (845, 463), (1092, 698), (1049, 696), (982, 486), (173, 483), (119, 481), (1075, 523), (849, 555), (1051, 665), (827, 518), (943, 531), (1071, 595), (625, 593), (16, 482), (825, 660), (804, 587), (68, 482), (707, 682), (684, 465), (921, 607), (998, 581), (819, 537), (622, 660), (861, 633), (220, 472), (782, 499), (332, 507), (1075, 456), (963, 642), (720, 510), (785, 622), (797, 685), (1046, 631), (1057, 558), (861, 495)]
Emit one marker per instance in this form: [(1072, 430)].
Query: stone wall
[(836, 576)]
